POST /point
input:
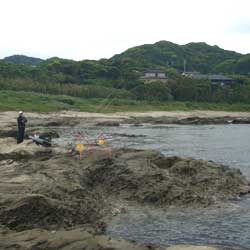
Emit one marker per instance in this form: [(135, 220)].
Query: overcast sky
[(94, 29)]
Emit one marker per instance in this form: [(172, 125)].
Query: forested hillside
[(118, 76), (198, 56), (129, 64), (21, 59)]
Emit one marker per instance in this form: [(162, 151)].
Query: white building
[(154, 76)]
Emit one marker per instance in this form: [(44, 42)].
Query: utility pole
[(184, 66)]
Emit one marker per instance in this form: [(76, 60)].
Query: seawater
[(226, 144)]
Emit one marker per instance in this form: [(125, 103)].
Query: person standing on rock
[(21, 122)]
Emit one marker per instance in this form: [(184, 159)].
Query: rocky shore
[(72, 118), (50, 199), (194, 120)]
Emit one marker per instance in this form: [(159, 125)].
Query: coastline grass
[(30, 101)]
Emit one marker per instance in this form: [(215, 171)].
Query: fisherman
[(21, 122)]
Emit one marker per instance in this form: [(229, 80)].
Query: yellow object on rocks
[(79, 147), (101, 142)]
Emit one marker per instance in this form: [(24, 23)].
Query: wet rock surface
[(13, 132), (37, 192), (77, 239), (53, 121), (8, 132), (52, 200), (108, 123), (147, 177), (193, 120), (126, 135), (11, 151)]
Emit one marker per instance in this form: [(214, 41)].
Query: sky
[(94, 29)]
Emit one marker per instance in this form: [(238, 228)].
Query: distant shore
[(168, 117)]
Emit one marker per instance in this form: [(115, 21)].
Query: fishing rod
[(111, 101), (101, 140)]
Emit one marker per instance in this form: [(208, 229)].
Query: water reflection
[(224, 226), (227, 144)]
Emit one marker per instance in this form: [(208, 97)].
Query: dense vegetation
[(117, 78), (21, 59), (235, 66), (198, 56)]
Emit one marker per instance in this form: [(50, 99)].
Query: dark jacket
[(21, 121)]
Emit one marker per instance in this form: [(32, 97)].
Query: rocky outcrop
[(192, 247), (50, 180), (41, 191), (44, 132), (109, 123), (77, 239), (59, 122), (44, 127), (241, 120), (193, 120), (8, 132), (148, 177), (64, 202), (9, 150), (126, 135), (53, 121)]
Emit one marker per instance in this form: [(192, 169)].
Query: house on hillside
[(220, 79), (151, 76), (215, 79)]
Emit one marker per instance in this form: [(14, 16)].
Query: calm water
[(227, 144)]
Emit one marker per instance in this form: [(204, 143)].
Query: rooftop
[(212, 77), (154, 71)]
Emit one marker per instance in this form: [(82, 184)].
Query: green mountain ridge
[(116, 80), (129, 64), (198, 56), (22, 59)]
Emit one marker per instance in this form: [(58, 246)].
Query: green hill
[(235, 66), (21, 59), (199, 56), (128, 65), (117, 78)]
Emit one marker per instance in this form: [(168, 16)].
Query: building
[(215, 79), (154, 76), (220, 79)]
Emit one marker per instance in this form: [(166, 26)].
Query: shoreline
[(51, 200), (155, 114), (88, 194), (196, 117)]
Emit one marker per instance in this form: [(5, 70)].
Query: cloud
[(93, 29), (240, 27)]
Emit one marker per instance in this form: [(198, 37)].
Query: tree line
[(178, 89)]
